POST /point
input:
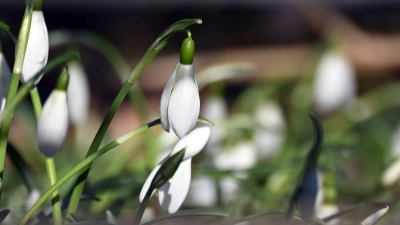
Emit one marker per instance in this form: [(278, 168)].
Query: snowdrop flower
[(391, 174), (335, 82), (243, 156), (53, 121), (180, 101), (5, 77), (203, 192), (37, 49), (78, 93), (216, 110), (172, 194)]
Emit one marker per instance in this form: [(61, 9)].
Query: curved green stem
[(153, 50), (19, 60), (84, 166)]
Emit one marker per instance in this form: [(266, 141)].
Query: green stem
[(55, 201), (19, 60), (142, 207), (84, 166), (50, 167)]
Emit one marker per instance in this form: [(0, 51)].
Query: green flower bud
[(187, 51), (62, 83)]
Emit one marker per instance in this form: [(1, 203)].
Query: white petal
[(230, 187), (53, 123), (335, 83), (146, 184), (374, 218), (78, 93), (37, 49), (184, 104), (32, 199), (173, 193), (164, 102), (194, 142)]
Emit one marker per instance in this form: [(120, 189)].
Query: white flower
[(391, 174), (326, 210), (173, 193), (335, 83), (5, 77), (215, 110), (37, 49), (180, 101), (53, 123), (34, 195), (78, 93), (203, 192), (243, 156)]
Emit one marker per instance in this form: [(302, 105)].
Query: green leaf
[(187, 213), (176, 28), (6, 29), (21, 167), (110, 218)]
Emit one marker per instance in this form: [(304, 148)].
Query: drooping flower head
[(180, 101), (173, 193), (78, 93), (335, 83), (53, 121), (37, 49)]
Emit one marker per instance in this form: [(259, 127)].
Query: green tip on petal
[(62, 83), (167, 169), (37, 5), (187, 51)]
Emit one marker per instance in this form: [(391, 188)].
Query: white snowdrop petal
[(147, 183), (374, 218), (335, 83), (32, 199), (184, 104), (37, 49), (164, 102), (78, 93), (230, 187), (391, 174), (53, 123), (173, 193), (194, 142)]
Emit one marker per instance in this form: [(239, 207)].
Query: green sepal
[(187, 51), (63, 80), (167, 170), (37, 5)]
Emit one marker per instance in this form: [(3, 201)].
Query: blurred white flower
[(243, 156), (269, 137), (173, 193), (326, 210), (53, 123), (335, 82), (374, 218), (37, 49), (230, 187), (180, 101), (395, 147), (5, 78), (32, 199), (391, 174), (78, 93), (202, 192), (215, 110)]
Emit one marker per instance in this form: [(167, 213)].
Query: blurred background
[(262, 66)]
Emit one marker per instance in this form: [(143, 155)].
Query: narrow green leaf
[(6, 29), (21, 167), (176, 28)]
